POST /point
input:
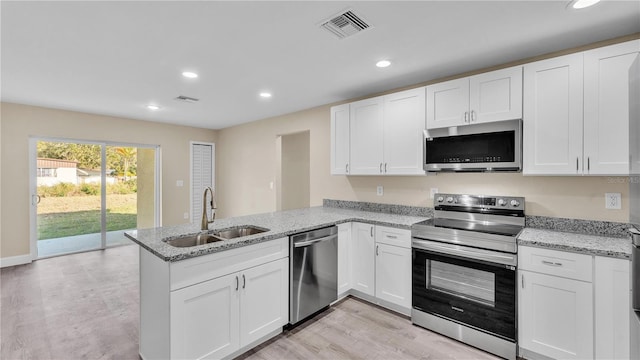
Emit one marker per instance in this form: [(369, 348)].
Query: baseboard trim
[(15, 260)]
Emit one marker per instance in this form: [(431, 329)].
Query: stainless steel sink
[(239, 231), (192, 240), (214, 236)]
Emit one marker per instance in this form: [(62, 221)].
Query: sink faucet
[(205, 220)]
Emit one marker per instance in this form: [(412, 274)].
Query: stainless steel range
[(464, 270)]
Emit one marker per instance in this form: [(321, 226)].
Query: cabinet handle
[(392, 236), (466, 116), (372, 231), (385, 168), (588, 163), (551, 263), (244, 281), (237, 283), (380, 168), (346, 168), (576, 164), (377, 247), (522, 280), (473, 115)]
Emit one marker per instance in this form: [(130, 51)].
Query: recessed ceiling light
[(383, 63), (189, 74), (581, 4), (153, 107), (265, 95)]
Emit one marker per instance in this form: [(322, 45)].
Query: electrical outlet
[(186, 215), (613, 201), (179, 183), (379, 190), (433, 192)]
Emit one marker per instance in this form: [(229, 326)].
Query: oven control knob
[(502, 202), (450, 199), (440, 199), (515, 203)]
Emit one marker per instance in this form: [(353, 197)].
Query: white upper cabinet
[(340, 139), (576, 113), (403, 127), (496, 95), (487, 97), (552, 119), (448, 103), (386, 135), (606, 108), (366, 129)]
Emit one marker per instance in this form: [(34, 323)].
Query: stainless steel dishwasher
[(313, 272)]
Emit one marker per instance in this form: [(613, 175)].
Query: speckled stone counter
[(280, 224), (618, 247)]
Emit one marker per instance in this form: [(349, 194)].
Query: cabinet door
[(366, 137), (363, 257), (393, 274), (344, 258), (555, 316), (496, 95), (612, 286), (606, 108), (448, 103), (204, 319), (264, 300), (552, 116), (340, 140), (404, 121)]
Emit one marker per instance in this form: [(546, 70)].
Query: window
[(47, 172)]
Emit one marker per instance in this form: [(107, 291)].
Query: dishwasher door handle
[(313, 241)]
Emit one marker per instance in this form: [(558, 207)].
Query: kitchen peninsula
[(236, 289)]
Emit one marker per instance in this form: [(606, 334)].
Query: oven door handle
[(475, 254)]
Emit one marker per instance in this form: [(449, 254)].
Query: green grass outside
[(63, 224)]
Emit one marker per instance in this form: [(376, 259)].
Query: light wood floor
[(85, 306)]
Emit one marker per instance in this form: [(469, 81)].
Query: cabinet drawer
[(556, 263), (202, 268), (393, 236)]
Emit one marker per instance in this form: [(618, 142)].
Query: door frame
[(33, 186)]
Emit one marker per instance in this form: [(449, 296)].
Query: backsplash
[(591, 227), (382, 208)]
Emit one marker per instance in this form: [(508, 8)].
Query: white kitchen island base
[(213, 306)]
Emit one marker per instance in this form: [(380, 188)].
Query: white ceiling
[(115, 57)]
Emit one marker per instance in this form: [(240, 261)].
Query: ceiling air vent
[(345, 24), (187, 99)]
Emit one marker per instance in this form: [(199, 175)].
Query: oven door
[(468, 289)]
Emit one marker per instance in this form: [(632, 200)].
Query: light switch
[(379, 190)]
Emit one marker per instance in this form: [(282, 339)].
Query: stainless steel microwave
[(495, 146)]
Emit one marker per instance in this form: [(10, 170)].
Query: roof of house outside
[(44, 163)]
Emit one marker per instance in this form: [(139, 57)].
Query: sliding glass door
[(85, 195)]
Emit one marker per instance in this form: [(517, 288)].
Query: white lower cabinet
[(213, 319), (381, 265), (363, 258), (572, 306), (555, 316), (205, 319), (213, 306), (393, 274), (344, 259), (611, 289)]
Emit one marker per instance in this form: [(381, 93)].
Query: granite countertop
[(280, 224), (617, 247)]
